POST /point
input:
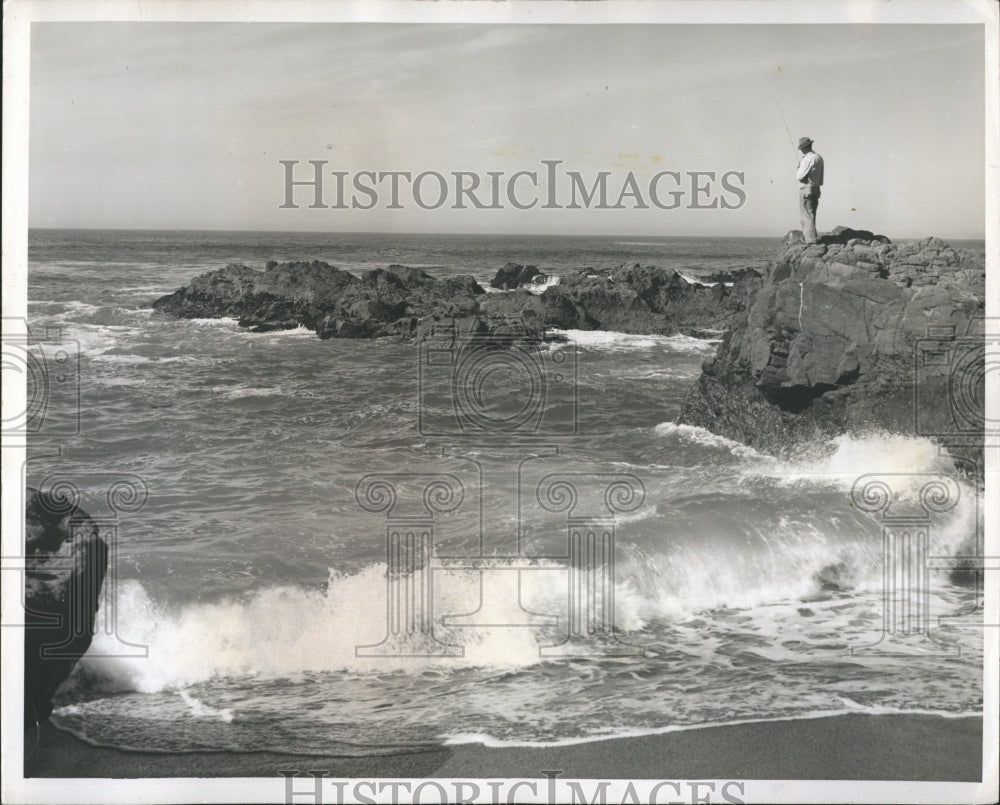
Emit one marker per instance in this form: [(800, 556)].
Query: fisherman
[(810, 176)]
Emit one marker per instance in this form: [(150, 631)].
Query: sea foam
[(616, 341)]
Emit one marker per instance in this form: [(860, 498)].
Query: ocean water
[(248, 578)]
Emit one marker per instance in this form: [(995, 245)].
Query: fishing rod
[(791, 141)]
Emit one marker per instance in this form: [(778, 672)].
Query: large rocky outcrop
[(66, 560), (321, 297), (849, 333), (410, 303)]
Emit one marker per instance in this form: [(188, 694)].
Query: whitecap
[(634, 517), (83, 307), (540, 287), (616, 341), (285, 630), (706, 438), (129, 359), (696, 281), (222, 321), (296, 332), (243, 392), (201, 710)]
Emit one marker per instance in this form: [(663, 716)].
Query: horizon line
[(462, 234)]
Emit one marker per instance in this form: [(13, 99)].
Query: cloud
[(115, 107)]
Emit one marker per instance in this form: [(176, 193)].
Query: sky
[(183, 125)]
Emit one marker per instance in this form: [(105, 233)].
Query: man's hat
[(804, 141)]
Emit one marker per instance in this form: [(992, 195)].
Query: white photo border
[(18, 17)]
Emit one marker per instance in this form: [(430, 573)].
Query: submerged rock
[(66, 560)]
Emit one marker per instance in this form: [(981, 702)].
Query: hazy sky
[(175, 126)]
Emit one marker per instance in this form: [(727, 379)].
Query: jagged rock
[(513, 276), (731, 276), (640, 299), (324, 298), (409, 303), (844, 235), (925, 262), (66, 560), (830, 342)]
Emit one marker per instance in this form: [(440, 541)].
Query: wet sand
[(848, 747)]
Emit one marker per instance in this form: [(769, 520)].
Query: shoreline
[(852, 746)]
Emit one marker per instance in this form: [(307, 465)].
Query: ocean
[(248, 579)]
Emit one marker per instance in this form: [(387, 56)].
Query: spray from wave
[(683, 554)]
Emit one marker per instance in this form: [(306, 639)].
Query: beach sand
[(848, 747)]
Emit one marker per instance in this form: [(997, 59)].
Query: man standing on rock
[(810, 176)]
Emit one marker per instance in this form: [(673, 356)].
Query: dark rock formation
[(513, 276), (66, 561), (628, 299), (731, 276), (410, 303), (833, 341), (324, 298)]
